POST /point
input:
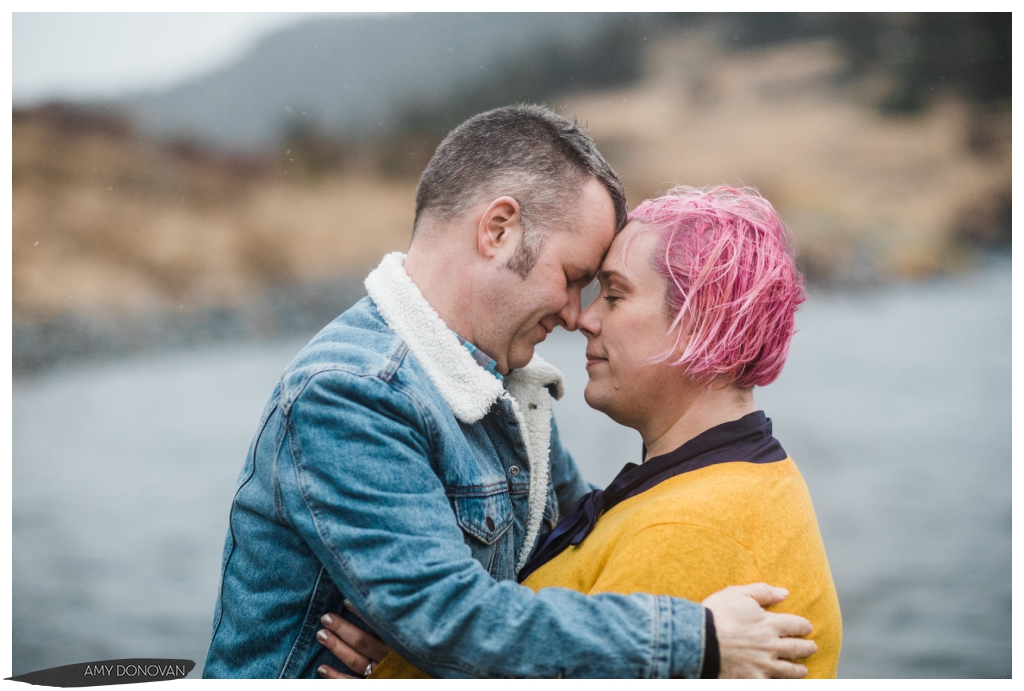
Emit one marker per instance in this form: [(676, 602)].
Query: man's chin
[(521, 357)]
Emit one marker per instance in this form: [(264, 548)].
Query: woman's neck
[(706, 409)]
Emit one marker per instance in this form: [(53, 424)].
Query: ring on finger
[(369, 669)]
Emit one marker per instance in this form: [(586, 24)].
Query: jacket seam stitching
[(290, 400), (703, 643), (652, 671), (395, 363), (485, 490), (231, 523), (299, 636)]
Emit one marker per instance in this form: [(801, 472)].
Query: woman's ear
[(499, 227)]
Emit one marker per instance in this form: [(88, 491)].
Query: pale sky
[(95, 55)]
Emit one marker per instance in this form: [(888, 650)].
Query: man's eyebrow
[(580, 272)]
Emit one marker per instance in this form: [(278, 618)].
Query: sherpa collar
[(467, 387)]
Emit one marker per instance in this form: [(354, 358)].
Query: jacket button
[(514, 470), (490, 523)]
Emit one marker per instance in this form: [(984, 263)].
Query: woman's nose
[(588, 322)]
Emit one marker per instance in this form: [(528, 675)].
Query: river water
[(895, 403)]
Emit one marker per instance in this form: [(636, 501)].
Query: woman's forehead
[(631, 251)]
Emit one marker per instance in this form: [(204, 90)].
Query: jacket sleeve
[(357, 483), (565, 475)]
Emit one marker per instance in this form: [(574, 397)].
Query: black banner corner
[(107, 672)]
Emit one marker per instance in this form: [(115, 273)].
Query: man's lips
[(544, 332), (593, 360)]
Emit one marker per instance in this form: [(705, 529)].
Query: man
[(408, 461)]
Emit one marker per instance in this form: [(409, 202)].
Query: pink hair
[(733, 285)]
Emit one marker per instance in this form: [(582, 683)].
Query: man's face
[(530, 308)]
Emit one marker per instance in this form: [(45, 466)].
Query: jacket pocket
[(484, 517), (325, 597)]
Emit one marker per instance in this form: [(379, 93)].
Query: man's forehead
[(577, 267), (594, 219), (582, 253)]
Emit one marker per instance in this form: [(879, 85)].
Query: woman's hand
[(358, 649)]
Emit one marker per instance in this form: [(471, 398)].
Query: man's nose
[(570, 314)]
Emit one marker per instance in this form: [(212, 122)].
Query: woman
[(697, 303)]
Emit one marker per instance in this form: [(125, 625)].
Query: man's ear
[(499, 227)]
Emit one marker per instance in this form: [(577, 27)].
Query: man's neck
[(704, 411), (444, 288)]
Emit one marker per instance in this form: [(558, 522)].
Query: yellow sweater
[(698, 532)]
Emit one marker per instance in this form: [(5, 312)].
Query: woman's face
[(626, 327)]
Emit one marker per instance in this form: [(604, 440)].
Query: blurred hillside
[(360, 75), (869, 195), (356, 75), (105, 218), (889, 159)]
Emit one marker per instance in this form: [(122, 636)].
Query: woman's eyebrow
[(612, 276)]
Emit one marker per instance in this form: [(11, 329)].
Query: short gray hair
[(527, 152)]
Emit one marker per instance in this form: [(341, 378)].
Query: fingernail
[(348, 605), (321, 636), (327, 620), (321, 671), (785, 593)]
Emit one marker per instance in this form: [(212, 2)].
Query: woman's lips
[(593, 360)]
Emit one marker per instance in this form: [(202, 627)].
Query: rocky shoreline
[(289, 311)]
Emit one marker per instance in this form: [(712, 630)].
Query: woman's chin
[(605, 398), (595, 394)]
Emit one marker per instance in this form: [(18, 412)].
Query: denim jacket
[(390, 469)]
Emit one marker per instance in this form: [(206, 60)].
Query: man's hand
[(350, 644), (754, 643)]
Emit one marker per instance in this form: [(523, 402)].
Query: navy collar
[(747, 440)]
